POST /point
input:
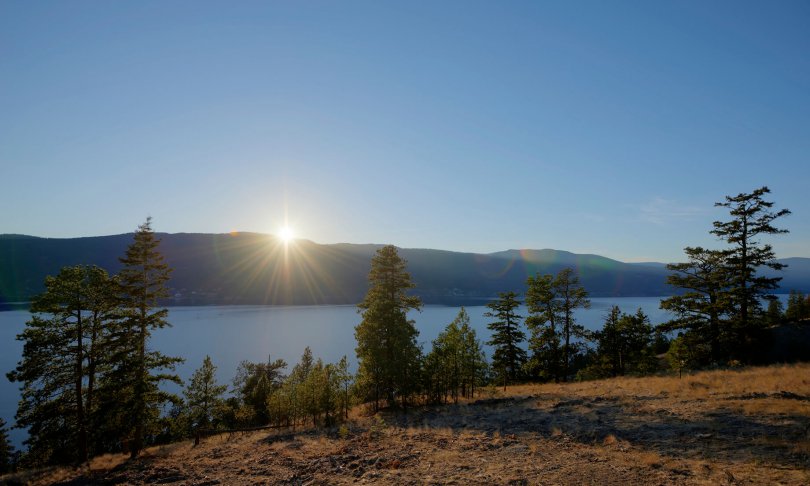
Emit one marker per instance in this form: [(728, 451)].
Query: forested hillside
[(250, 268)]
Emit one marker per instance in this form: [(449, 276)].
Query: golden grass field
[(747, 426)]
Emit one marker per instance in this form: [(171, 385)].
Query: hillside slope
[(722, 427)]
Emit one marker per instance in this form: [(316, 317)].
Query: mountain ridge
[(256, 268)]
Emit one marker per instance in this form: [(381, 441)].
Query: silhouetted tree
[(387, 352), (543, 321), (775, 314), (798, 307), (572, 296), (707, 300), (508, 357), (751, 217), (63, 344), (143, 281), (624, 343)]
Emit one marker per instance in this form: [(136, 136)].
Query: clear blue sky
[(594, 127)]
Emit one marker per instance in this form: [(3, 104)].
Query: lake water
[(230, 334)]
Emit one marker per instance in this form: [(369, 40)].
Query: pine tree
[(254, 384), (572, 296), (508, 357), (473, 360), (798, 307), (624, 342), (543, 321), (551, 302), (105, 315), (389, 358), (138, 370), (203, 395), (301, 396), (63, 343), (314, 390), (751, 218), (774, 315), (6, 449), (705, 305), (343, 380), (456, 364)]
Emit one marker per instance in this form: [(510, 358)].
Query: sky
[(588, 126)]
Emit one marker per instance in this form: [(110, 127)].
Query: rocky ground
[(724, 427)]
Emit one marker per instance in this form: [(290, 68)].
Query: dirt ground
[(724, 427)]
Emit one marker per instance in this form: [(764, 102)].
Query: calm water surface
[(230, 334)]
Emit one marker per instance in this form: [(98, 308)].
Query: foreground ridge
[(749, 426)]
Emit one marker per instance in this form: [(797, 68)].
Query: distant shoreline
[(472, 302)]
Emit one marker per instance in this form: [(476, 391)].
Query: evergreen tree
[(389, 358), (687, 352), (105, 315), (798, 307), (774, 315), (508, 357), (320, 392), (571, 296), (138, 372), (314, 390), (701, 310), (624, 343), (254, 384), (327, 385), (298, 389), (203, 395), (443, 366), (343, 382), (543, 321), (751, 217), (62, 347), (473, 360), (6, 449), (456, 364)]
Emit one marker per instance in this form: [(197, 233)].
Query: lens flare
[(286, 234)]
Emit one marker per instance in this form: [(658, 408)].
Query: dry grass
[(721, 427), (703, 384)]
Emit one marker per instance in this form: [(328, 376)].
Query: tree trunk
[(82, 457)]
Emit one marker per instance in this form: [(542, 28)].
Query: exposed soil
[(724, 427)]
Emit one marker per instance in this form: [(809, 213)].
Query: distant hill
[(251, 268)]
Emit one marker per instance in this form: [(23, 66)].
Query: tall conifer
[(508, 357), (751, 217), (143, 281), (572, 295), (544, 321), (704, 306), (203, 395), (63, 344), (388, 355)]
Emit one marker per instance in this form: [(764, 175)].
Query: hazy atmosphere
[(593, 127)]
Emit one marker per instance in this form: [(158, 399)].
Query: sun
[(286, 234)]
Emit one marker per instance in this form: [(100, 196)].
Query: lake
[(230, 334)]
